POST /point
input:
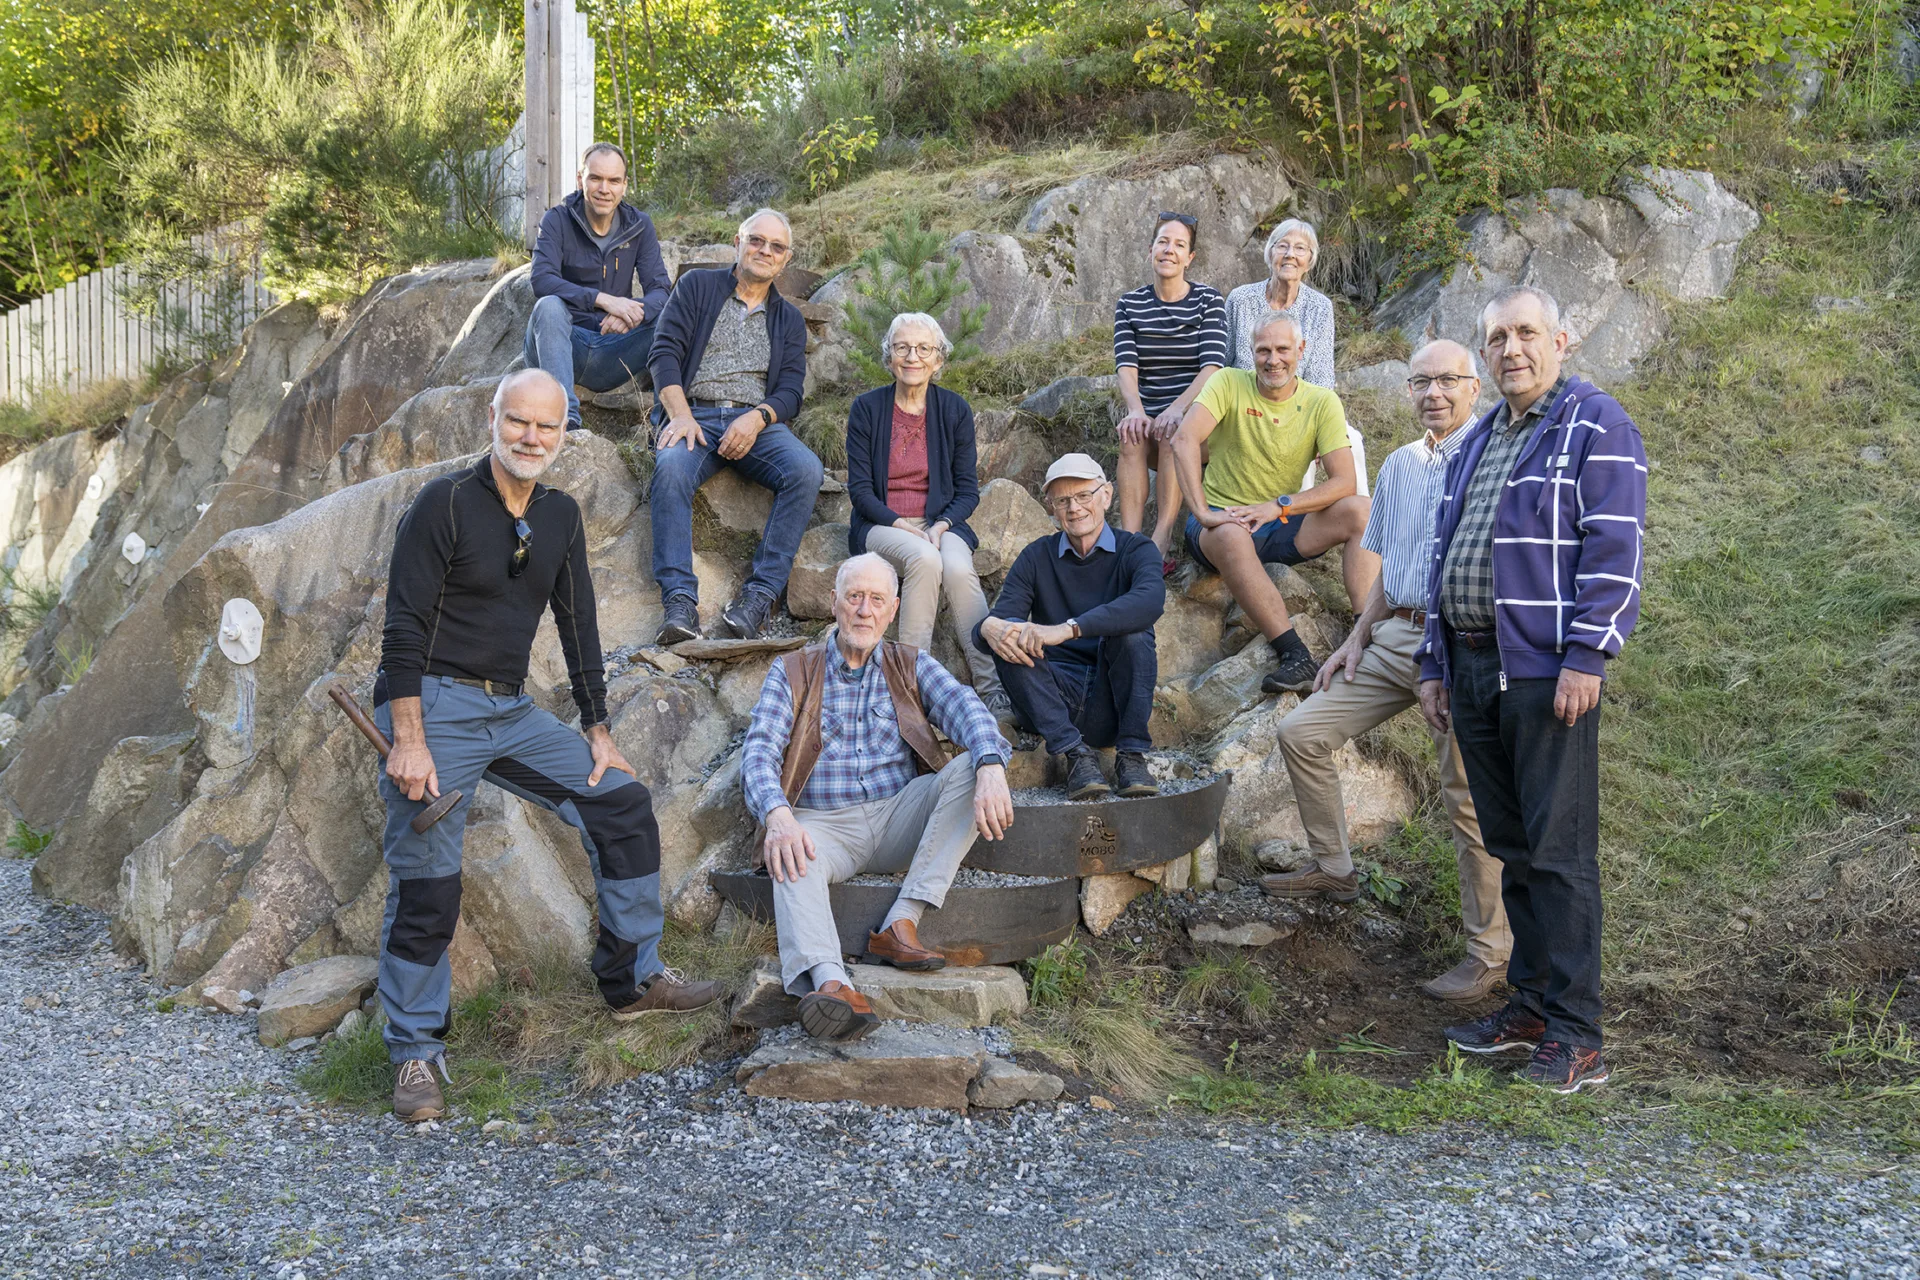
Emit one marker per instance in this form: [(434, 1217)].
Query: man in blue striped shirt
[(1375, 675), (842, 768)]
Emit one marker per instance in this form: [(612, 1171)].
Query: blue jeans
[(777, 461), (519, 748), (573, 354), (1071, 704)]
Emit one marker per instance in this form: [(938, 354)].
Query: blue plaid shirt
[(862, 756)]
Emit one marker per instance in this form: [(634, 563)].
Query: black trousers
[(1536, 787)]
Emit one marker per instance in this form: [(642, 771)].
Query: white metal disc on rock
[(95, 486), (134, 548), (240, 625)]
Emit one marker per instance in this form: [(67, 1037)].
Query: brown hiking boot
[(670, 992), (1312, 882), (1471, 979), (837, 1012), (416, 1094), (899, 945)]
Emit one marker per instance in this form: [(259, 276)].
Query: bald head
[(1443, 386), (529, 421)]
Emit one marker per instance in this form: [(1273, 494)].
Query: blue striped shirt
[(1406, 497), (862, 756), (1169, 342)]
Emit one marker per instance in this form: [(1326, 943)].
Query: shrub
[(905, 272)]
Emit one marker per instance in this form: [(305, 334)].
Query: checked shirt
[(1466, 579), (862, 756)]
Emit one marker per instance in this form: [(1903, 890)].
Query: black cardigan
[(680, 340), (953, 480)]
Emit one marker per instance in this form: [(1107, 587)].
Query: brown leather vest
[(806, 676)]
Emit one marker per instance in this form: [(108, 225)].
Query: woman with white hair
[(914, 480), (1291, 250)]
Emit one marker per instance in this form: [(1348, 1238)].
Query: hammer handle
[(340, 695)]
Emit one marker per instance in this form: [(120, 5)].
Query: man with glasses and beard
[(480, 556)]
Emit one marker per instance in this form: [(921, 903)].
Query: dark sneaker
[(416, 1094), (1084, 779), (1509, 1027), (1000, 707), (670, 992), (1294, 674), (1565, 1068), (682, 623), (746, 615), (1312, 882), (1131, 776)]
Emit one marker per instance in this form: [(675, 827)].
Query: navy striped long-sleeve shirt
[(1169, 342)]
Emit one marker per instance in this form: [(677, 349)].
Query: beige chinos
[(1385, 683), (923, 572)]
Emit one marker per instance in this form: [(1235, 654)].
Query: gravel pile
[(1169, 786), (968, 878), (139, 1143)]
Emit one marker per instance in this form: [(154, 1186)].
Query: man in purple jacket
[(599, 283), (1534, 585)]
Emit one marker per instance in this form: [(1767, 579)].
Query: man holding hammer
[(480, 556)]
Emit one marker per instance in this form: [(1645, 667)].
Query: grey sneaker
[(1295, 675), (746, 615), (682, 621), (416, 1094), (1311, 882), (1084, 779), (1132, 777)]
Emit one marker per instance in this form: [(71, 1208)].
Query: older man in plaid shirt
[(842, 767)]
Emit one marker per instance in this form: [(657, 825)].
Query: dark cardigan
[(680, 340), (953, 481)]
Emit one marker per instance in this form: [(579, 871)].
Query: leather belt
[(723, 404), (492, 688), (1418, 617), (1477, 639)]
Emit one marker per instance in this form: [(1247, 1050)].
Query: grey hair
[(925, 321), (865, 560), (1276, 317), (1548, 307), (1473, 363), (758, 214), (604, 148), (1291, 224), (517, 379)]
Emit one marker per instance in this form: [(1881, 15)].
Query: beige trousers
[(1387, 682), (923, 571)]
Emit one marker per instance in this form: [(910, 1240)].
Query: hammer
[(427, 816)]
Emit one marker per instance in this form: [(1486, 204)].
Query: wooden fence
[(559, 116)]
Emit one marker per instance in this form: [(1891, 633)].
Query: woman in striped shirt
[(1169, 337), (1291, 251)]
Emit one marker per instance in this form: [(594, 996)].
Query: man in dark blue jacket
[(1072, 634), (1533, 588), (599, 283), (729, 361)]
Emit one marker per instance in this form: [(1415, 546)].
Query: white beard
[(521, 466)]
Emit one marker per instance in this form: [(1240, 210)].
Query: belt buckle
[(1418, 618)]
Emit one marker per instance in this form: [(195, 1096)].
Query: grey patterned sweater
[(1312, 309)]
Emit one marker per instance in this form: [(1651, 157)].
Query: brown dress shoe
[(1312, 882), (837, 1012), (899, 945), (1471, 979), (670, 992)]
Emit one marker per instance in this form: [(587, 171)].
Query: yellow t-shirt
[(1261, 449)]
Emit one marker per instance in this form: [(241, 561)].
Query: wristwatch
[(987, 759), (766, 415), (1285, 500), (1075, 624)]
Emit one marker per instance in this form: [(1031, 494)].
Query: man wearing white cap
[(1072, 634)]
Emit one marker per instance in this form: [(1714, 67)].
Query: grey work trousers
[(924, 829)]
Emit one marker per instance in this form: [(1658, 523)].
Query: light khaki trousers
[(924, 571), (1387, 682)]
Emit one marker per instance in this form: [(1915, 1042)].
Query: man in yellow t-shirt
[(1245, 444)]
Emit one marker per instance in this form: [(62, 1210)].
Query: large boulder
[(1082, 245), (1007, 519), (494, 334), (1610, 261), (311, 1000)]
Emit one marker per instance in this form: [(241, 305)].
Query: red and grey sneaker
[(1510, 1027), (1565, 1068)]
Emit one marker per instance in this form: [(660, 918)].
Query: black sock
[(1288, 643)]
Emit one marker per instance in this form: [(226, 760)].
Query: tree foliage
[(906, 272)]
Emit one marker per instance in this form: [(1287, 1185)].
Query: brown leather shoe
[(1312, 882), (837, 1012), (416, 1094), (1471, 979), (670, 992), (899, 945)]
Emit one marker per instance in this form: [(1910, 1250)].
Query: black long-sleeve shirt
[(453, 609), (1117, 590)]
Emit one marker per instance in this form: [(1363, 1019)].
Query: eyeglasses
[(925, 350), (1186, 220), (522, 553), (762, 244), (1070, 501), (1445, 381)]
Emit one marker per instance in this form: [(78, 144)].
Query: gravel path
[(139, 1143)]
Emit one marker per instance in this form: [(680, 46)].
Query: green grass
[(25, 842), (52, 412)]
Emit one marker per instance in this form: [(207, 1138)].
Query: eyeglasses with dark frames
[(522, 553), (1445, 381)]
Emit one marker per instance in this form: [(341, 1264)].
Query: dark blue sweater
[(1111, 593), (953, 482), (568, 263), (680, 340)]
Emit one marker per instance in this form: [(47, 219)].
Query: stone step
[(957, 996), (897, 1065)]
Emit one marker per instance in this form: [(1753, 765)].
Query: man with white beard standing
[(480, 556)]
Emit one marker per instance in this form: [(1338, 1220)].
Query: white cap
[(1073, 466)]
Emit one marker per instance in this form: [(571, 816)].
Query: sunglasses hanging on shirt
[(522, 553)]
